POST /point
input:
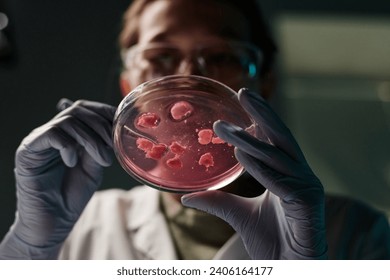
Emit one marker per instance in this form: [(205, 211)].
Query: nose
[(190, 66)]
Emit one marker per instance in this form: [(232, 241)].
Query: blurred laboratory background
[(333, 83)]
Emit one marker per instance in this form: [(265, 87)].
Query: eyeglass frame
[(195, 54)]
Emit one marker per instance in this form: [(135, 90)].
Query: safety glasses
[(228, 61)]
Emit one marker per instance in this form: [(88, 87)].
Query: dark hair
[(260, 33)]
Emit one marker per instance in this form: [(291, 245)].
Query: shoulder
[(353, 209), (356, 230), (110, 215)]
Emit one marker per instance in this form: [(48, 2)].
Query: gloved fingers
[(66, 134), (104, 110), (265, 175), (96, 115), (270, 124), (304, 190), (35, 152), (268, 154), (76, 196), (229, 207), (86, 137), (63, 104)]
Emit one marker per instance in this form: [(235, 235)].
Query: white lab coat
[(119, 224)]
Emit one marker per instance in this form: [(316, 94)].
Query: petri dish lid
[(163, 133)]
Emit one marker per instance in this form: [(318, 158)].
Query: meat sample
[(174, 163), (148, 120), (206, 160), (176, 148), (154, 151), (181, 110), (205, 136)]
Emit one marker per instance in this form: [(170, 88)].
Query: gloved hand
[(285, 222), (58, 167)]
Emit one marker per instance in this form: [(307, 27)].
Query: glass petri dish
[(163, 133)]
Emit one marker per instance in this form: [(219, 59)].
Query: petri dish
[(163, 133)]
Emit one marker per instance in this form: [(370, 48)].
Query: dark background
[(68, 49)]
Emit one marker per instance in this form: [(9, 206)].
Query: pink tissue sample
[(205, 136), (174, 162), (148, 120), (206, 160), (181, 110), (217, 140), (176, 148), (144, 144), (154, 151), (157, 151)]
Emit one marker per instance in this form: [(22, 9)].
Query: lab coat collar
[(151, 234), (148, 227), (146, 206)]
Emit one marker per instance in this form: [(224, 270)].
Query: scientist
[(277, 210)]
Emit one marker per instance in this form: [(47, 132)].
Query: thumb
[(229, 207)]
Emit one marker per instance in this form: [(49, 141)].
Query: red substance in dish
[(144, 144), (157, 151), (148, 120), (206, 160), (174, 162), (181, 110), (154, 151), (217, 140), (205, 136), (176, 148)]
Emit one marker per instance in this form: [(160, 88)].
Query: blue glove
[(286, 221), (57, 169)]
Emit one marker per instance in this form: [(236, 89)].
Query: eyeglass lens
[(221, 62)]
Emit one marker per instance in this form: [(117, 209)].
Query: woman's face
[(206, 38)]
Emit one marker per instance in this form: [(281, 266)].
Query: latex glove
[(285, 222), (58, 167)]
